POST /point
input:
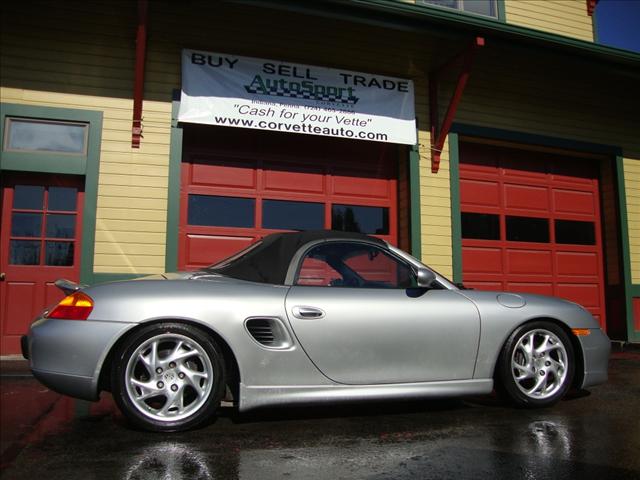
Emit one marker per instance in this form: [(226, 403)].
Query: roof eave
[(409, 16)]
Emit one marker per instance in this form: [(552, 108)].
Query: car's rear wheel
[(168, 377), (536, 365)]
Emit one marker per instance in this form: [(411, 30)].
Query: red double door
[(531, 223), (39, 243)]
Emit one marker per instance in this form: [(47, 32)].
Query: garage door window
[(353, 218), (216, 211), (480, 226), (527, 229), (288, 215), (575, 232)]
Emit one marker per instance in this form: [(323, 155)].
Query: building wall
[(81, 56), (562, 17), (93, 68)]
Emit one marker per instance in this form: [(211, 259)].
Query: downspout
[(138, 88)]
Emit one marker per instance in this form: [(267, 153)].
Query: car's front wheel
[(536, 365), (168, 377)]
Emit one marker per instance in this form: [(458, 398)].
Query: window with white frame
[(487, 8)]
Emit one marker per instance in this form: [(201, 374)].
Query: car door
[(358, 314)]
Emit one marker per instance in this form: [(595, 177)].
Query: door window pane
[(28, 197), (352, 264), (527, 229), (62, 199), (26, 224), (481, 226), (24, 252), (61, 226), (575, 232), (287, 215), (33, 135), (59, 254), (221, 211), (354, 218)]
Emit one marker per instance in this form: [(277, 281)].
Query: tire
[(168, 377), (539, 376)]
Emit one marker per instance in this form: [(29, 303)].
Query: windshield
[(230, 260)]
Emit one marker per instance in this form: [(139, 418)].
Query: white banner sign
[(227, 90)]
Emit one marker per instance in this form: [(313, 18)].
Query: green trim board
[(173, 194), (502, 15), (87, 165), (630, 289), (414, 202), (524, 138), (456, 224)]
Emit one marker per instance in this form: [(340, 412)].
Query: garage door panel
[(477, 192), (479, 159), (224, 173), (529, 262), (527, 197), (527, 166), (484, 285), (537, 288), (573, 170), (574, 202), (482, 260), (577, 263), (586, 294), (204, 250), (285, 177), (350, 184)]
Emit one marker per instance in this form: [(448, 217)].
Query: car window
[(345, 264)]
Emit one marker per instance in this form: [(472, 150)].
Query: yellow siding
[(632, 188), (562, 17)]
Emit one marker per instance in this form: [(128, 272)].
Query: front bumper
[(67, 355), (596, 349)]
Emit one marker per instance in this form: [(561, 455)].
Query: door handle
[(2, 277), (307, 313)]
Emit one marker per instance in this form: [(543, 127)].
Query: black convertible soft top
[(269, 261)]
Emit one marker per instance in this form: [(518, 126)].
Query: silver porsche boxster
[(306, 318)]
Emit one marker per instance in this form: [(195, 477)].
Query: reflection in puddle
[(549, 438), (169, 461)]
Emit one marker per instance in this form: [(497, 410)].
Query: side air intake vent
[(269, 332)]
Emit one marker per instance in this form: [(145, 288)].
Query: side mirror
[(425, 277)]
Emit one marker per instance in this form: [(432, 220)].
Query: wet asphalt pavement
[(592, 435)]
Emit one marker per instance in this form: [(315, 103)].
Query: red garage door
[(240, 185), (531, 223)]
